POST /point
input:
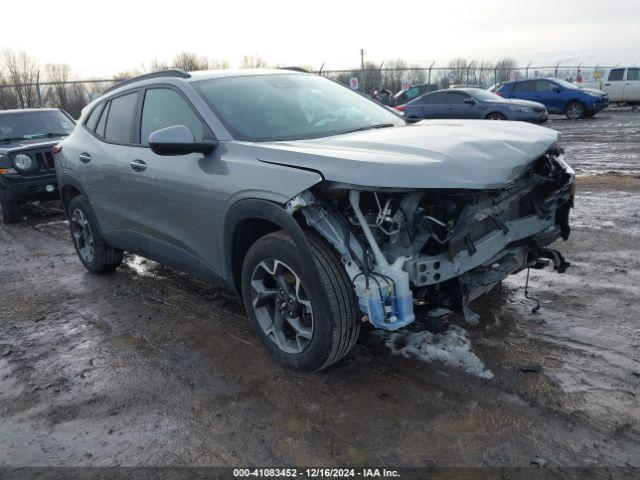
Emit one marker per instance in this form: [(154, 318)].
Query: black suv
[(27, 171)]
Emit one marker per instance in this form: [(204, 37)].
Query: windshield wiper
[(369, 127), (49, 134), (11, 139)]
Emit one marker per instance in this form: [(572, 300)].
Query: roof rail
[(176, 72)]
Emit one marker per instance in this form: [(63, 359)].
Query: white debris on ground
[(452, 348)]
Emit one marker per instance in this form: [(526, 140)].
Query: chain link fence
[(73, 95)]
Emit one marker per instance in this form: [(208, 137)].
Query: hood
[(20, 145), (594, 90), (527, 103), (470, 154)]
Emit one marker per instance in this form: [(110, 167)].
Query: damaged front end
[(440, 248)]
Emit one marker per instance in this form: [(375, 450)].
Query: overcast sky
[(105, 37)]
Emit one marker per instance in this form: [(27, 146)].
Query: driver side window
[(163, 108)]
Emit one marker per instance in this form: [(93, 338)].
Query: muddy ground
[(149, 366)]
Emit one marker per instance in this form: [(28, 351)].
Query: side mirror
[(557, 89), (178, 140), (469, 101)]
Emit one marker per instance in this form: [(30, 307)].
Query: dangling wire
[(526, 294)]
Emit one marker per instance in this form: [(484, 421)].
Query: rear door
[(434, 105), (102, 164), (173, 196), (614, 84), (525, 90), (632, 85)]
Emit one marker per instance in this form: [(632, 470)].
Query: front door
[(614, 84), (174, 196)]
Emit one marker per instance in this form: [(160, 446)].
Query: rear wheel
[(496, 116), (286, 301), (94, 253), (10, 212), (574, 110)]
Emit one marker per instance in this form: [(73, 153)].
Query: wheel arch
[(246, 222), (494, 112)]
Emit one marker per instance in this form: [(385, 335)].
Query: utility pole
[(362, 68)]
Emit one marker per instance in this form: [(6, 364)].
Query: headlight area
[(439, 249), (23, 162)]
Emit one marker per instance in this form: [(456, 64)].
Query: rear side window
[(616, 74), (94, 116), (120, 118), (524, 87), (434, 98), (165, 108), (544, 86), (456, 98), (633, 74), (103, 120)]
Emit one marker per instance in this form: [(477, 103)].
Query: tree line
[(24, 84)]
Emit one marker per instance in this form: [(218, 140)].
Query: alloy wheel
[(574, 111), (82, 235), (282, 306)]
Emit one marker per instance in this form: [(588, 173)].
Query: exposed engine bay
[(440, 247)]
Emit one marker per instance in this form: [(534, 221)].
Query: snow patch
[(451, 348)]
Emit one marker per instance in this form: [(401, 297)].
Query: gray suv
[(321, 207)]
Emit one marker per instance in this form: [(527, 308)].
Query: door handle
[(137, 165), (449, 107), (84, 157), (607, 84)]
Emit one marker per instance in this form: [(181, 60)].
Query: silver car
[(321, 207)]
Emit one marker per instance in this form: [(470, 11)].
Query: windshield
[(479, 94), (290, 107), (34, 124), (565, 84)]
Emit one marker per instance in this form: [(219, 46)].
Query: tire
[(574, 110), (10, 212), (496, 116), (94, 253), (589, 114), (331, 314)]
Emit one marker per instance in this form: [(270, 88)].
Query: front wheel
[(10, 212), (305, 315), (496, 116), (574, 110), (94, 253)]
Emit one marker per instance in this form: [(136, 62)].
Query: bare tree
[(22, 72), (253, 61), (189, 62), (458, 70), (504, 68), (71, 97)]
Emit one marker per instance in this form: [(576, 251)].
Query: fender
[(269, 211)]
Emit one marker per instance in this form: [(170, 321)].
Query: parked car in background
[(27, 171), (621, 84), (319, 205), (404, 96), (473, 103), (557, 95)]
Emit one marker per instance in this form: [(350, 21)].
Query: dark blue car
[(557, 95)]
